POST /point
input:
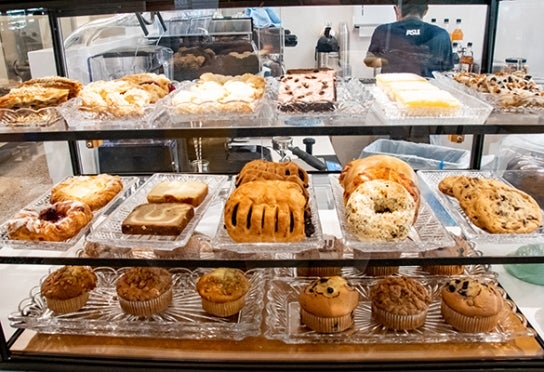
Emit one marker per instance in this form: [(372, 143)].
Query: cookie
[(507, 210), (446, 184)]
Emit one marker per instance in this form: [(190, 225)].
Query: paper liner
[(223, 308), (318, 271), (444, 269), (67, 306), (381, 270), (469, 324), (398, 321), (327, 324), (147, 307)]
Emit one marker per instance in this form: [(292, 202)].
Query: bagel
[(380, 210), (57, 222), (380, 167)]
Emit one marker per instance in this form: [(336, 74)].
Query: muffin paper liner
[(398, 321), (147, 307), (327, 324), (470, 324)]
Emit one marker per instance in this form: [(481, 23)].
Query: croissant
[(266, 211)]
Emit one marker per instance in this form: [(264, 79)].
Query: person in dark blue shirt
[(410, 44)]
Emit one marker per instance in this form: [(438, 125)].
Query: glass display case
[(268, 332)]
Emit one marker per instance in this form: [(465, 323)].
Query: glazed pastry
[(58, 222), (95, 191)]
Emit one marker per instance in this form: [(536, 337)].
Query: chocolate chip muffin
[(470, 305)]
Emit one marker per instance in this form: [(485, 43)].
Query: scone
[(144, 291), (177, 191), (470, 305), (95, 191), (223, 291), (67, 289), (327, 304), (400, 303)]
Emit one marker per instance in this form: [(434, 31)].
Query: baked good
[(221, 94), (492, 205), (266, 211), (307, 90), (376, 270), (41, 92), (470, 305), (158, 219), (380, 210), (399, 302), (327, 304), (144, 291), (223, 291), (95, 191), (177, 191), (57, 222), (260, 169), (415, 96), (124, 97), (67, 289), (460, 249), (384, 167)]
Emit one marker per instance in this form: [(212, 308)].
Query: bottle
[(467, 59), (457, 33), (456, 56)]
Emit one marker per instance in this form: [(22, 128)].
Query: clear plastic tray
[(29, 118), (472, 111), (223, 241), (129, 184), (230, 113), (183, 319), (492, 99), (426, 233), (109, 232), (471, 231), (79, 118), (353, 100), (283, 319)]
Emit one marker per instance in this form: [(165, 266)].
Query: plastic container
[(531, 273), (420, 155)]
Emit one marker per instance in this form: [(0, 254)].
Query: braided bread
[(266, 211), (265, 169)]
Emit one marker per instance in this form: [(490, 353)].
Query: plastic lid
[(515, 60)]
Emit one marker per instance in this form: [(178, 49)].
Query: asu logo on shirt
[(413, 32)]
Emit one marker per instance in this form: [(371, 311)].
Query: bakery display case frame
[(28, 350)]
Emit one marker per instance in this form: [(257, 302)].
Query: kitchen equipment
[(326, 50)]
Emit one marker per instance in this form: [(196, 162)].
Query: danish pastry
[(58, 222), (264, 168), (95, 191), (266, 211)]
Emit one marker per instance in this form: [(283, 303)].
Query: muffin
[(67, 289), (399, 302), (460, 249), (470, 305), (329, 251), (327, 304), (223, 291), (144, 291), (377, 270)]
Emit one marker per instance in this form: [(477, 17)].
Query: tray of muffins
[(391, 309), (380, 208), (162, 214), (486, 206), (153, 302), (405, 98), (270, 208), (59, 218)]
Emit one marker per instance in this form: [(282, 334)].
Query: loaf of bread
[(266, 211), (177, 191), (158, 219)]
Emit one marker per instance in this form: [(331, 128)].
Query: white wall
[(308, 23)]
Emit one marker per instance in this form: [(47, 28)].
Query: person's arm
[(371, 60)]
